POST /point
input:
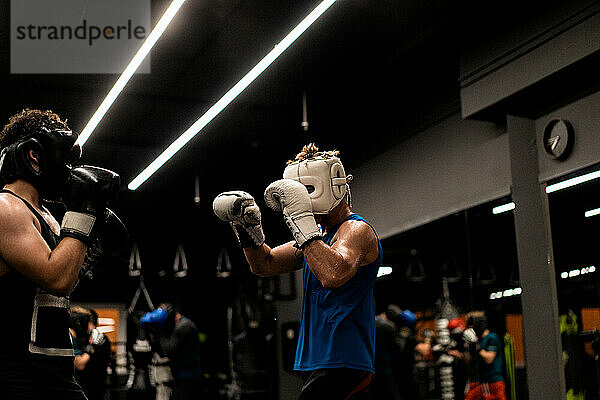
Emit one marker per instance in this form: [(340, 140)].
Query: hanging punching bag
[(139, 385)]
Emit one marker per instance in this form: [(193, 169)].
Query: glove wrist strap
[(246, 238), (77, 225)]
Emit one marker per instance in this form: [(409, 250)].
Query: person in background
[(488, 383), (386, 387), (93, 352), (406, 343), (175, 336)]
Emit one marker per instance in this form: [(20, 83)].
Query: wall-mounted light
[(573, 181), (577, 272), (556, 187), (506, 293), (503, 208), (106, 321), (106, 325)]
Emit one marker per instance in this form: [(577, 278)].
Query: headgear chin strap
[(327, 176), (56, 150)]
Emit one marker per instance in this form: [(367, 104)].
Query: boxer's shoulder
[(356, 230), (13, 210)]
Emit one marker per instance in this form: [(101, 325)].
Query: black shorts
[(337, 384)]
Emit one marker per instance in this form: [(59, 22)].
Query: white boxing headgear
[(326, 175)]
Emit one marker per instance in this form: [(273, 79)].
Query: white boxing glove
[(97, 337), (470, 336), (239, 209), (293, 199)]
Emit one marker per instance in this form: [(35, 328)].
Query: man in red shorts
[(488, 358)]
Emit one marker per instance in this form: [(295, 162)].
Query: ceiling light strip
[(591, 213), (230, 95), (135, 62)]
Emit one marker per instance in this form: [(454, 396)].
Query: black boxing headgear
[(78, 321), (56, 150)]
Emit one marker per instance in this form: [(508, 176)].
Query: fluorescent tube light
[(230, 95), (556, 187), (135, 62), (572, 182), (503, 208), (591, 213)]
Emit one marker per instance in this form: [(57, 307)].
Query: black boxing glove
[(88, 191), (110, 239)]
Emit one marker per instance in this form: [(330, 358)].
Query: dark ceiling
[(374, 72)]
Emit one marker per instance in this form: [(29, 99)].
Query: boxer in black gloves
[(40, 260)]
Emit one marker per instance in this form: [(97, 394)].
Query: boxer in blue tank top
[(339, 259)]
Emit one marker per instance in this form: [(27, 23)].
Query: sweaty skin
[(353, 245)]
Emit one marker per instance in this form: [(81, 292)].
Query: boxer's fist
[(293, 200), (470, 336), (97, 338), (111, 239), (88, 192), (239, 209)]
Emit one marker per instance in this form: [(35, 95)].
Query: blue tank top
[(338, 325)]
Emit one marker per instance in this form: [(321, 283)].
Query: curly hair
[(311, 151), (28, 122), (79, 310)]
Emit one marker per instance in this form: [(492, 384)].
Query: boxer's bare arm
[(81, 361), (266, 261), (487, 356), (23, 248), (353, 246)]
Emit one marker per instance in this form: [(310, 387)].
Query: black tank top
[(38, 320)]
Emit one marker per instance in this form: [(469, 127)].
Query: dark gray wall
[(449, 167), (519, 44)]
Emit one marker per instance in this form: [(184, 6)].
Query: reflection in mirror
[(442, 271), (575, 231)]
